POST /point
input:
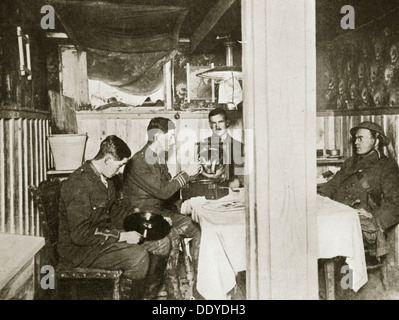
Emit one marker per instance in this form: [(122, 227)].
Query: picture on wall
[(199, 88)]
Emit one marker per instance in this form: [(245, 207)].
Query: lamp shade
[(222, 73)]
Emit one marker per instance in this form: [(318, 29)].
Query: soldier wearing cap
[(369, 182)]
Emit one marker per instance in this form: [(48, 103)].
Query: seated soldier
[(368, 182), (90, 227), (231, 151), (148, 185)]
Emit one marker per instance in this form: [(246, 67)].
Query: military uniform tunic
[(89, 222), (148, 185), (370, 182)]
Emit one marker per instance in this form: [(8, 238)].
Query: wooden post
[(32, 180), (20, 169), (2, 178), (167, 81), (279, 68), (329, 278), (26, 176), (11, 188)]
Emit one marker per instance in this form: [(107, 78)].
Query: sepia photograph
[(214, 151)]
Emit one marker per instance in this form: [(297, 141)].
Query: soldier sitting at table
[(148, 185), (91, 230), (231, 151), (369, 182)]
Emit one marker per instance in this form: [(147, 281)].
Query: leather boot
[(172, 279), (172, 286), (155, 276)]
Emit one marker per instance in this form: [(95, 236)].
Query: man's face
[(112, 166), (364, 142), (218, 125), (167, 140)]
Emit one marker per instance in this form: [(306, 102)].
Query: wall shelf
[(330, 161), (364, 112)]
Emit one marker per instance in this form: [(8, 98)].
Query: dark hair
[(217, 111), (114, 146), (157, 124)]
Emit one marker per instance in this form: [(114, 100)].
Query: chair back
[(47, 197)]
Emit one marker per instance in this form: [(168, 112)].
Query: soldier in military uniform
[(148, 185), (231, 150), (90, 226), (369, 182)]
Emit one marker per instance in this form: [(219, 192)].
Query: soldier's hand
[(169, 220), (364, 213), (219, 172), (193, 169), (235, 183), (131, 237)]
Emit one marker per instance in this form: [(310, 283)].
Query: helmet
[(372, 127)]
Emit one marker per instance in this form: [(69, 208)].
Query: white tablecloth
[(223, 248), (339, 234)]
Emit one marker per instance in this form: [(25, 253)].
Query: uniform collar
[(89, 167), (367, 159), (223, 138), (94, 174), (373, 155), (160, 158)]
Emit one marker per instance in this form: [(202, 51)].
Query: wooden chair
[(374, 263), (46, 198)]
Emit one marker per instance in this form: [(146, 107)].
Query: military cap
[(372, 127)]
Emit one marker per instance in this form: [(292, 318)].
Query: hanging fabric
[(126, 43)]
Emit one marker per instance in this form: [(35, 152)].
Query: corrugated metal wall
[(23, 162)]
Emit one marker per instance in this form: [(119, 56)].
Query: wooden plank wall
[(22, 163), (132, 128)]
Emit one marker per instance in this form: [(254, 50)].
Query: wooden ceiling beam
[(209, 22)]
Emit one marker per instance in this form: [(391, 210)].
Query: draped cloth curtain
[(127, 44)]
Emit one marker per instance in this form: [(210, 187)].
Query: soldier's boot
[(172, 279), (172, 287), (155, 276)]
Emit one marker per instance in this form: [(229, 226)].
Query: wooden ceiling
[(205, 20)]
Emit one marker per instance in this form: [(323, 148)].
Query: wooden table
[(339, 234), (17, 267), (223, 248)]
